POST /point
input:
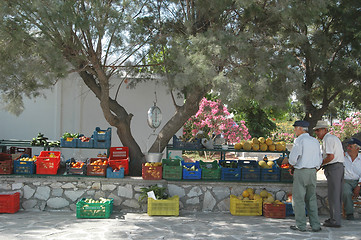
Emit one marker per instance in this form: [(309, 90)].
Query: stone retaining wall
[(54, 193)]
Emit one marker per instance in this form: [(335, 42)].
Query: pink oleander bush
[(284, 132), (348, 127), (213, 118)]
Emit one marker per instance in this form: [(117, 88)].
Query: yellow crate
[(164, 207), (245, 207)]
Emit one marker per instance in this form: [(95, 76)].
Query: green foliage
[(159, 192)]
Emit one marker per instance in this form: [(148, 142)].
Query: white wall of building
[(71, 107)]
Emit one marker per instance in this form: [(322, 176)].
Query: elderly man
[(306, 158), (333, 158), (351, 186)]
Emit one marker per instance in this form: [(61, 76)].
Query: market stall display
[(90, 208)]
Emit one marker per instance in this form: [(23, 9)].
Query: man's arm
[(329, 157)]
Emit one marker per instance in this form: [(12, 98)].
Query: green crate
[(210, 170), (286, 176), (94, 210), (172, 169)]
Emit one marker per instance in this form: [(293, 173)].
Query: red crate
[(5, 156), (119, 157), (9, 203), (271, 210), (118, 153), (19, 150), (46, 164), (152, 172), (6, 166), (96, 170)]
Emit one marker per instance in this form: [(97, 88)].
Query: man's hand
[(356, 192)]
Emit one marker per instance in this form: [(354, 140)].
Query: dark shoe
[(328, 224), (317, 230), (350, 217), (293, 227), (327, 221)]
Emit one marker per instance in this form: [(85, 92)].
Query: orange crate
[(46, 164), (9, 203), (96, 170), (152, 172), (119, 157), (271, 210)]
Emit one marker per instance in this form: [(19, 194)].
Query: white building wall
[(71, 106)]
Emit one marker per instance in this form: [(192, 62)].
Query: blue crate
[(230, 173), (270, 174), (68, 144), (191, 174), (117, 174), (24, 167), (101, 143), (102, 135), (289, 209), (197, 144), (251, 172), (81, 144)]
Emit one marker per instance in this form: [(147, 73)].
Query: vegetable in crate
[(159, 192), (68, 135)]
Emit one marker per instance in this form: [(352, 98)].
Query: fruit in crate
[(269, 141), (263, 147), (26, 159), (69, 136), (84, 139), (193, 168), (286, 166), (272, 147), (77, 164), (255, 147), (153, 164), (99, 162), (101, 200)]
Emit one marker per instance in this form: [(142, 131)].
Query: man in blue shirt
[(306, 158)]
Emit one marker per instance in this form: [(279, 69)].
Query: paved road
[(189, 225)]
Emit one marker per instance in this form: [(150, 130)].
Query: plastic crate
[(26, 152), (285, 175), (271, 210), (88, 144), (46, 164), (270, 175), (187, 145), (289, 209), (24, 167), (6, 166), (230, 170), (151, 172), (68, 143), (245, 207), (163, 207), (121, 163), (172, 169), (5, 156), (9, 203), (210, 170), (189, 174), (75, 171), (96, 170), (119, 157), (251, 172), (116, 174), (102, 138), (94, 210)]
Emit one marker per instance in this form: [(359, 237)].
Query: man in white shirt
[(333, 158), (352, 182), (306, 158)]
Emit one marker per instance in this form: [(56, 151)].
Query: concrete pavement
[(189, 225)]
